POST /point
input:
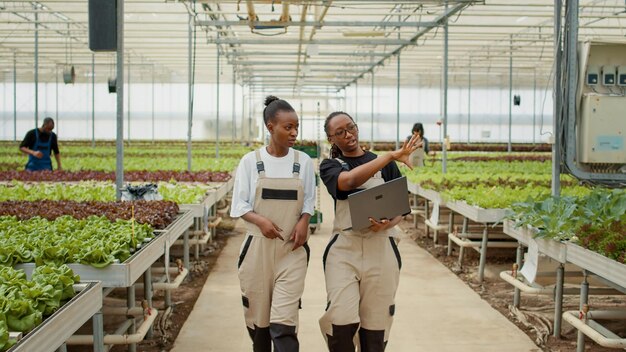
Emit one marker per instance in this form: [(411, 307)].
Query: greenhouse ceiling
[(301, 46)]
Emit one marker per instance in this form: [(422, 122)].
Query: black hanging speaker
[(103, 25), (112, 84), (517, 100)]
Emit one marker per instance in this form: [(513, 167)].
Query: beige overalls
[(417, 157), (271, 274), (362, 270)]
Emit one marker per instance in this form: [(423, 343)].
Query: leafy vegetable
[(93, 241), (24, 303), (182, 193), (596, 221)]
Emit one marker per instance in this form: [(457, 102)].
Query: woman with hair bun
[(274, 193)]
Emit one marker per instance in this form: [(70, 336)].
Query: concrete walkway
[(435, 311)]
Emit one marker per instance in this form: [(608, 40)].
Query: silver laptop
[(384, 201)]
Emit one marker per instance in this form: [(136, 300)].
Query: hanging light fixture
[(69, 74)]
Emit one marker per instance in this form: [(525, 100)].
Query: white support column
[(119, 90), (444, 151), (152, 103), (217, 105), (356, 101), (129, 100), (509, 147), (469, 103), (189, 91), (398, 101), (56, 90), (36, 66), (534, 102), (372, 113), (93, 100), (15, 97), (233, 129)]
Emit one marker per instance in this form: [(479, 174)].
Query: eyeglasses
[(352, 128)]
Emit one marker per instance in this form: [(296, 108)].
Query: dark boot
[(372, 340), (341, 341), (284, 338), (261, 341)]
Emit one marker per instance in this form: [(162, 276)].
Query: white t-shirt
[(247, 176)]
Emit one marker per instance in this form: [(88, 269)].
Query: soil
[(538, 311)]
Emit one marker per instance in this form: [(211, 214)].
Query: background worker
[(418, 156), (38, 144)]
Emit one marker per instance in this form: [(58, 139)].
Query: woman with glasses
[(274, 193), (362, 268)]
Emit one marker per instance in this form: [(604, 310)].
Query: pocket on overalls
[(248, 268), (394, 246), (390, 262)]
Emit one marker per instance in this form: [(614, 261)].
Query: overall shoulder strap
[(260, 167), (296, 164)]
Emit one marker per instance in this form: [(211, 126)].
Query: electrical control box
[(593, 75), (602, 129), (621, 76), (608, 75)]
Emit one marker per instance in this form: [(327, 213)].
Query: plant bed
[(167, 328), (534, 308)]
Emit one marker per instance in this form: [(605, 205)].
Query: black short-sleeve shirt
[(331, 168), (31, 138)]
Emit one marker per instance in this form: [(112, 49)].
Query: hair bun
[(269, 99)]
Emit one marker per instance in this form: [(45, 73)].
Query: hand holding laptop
[(379, 225), (375, 208)]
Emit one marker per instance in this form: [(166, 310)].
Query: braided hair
[(334, 149), (272, 106)]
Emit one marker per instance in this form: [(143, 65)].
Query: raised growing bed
[(53, 331), (598, 264), (553, 249)]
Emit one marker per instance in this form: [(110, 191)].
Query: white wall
[(489, 112)]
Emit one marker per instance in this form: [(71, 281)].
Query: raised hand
[(402, 154)]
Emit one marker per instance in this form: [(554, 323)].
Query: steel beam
[(372, 113), (317, 24), (189, 91), (439, 20), (469, 101), (217, 106), (152, 103), (398, 102), (233, 130), (119, 90), (444, 159), (93, 100), (293, 63), (557, 108), (36, 68), (509, 147), (15, 97), (295, 53), (284, 41), (129, 100)]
